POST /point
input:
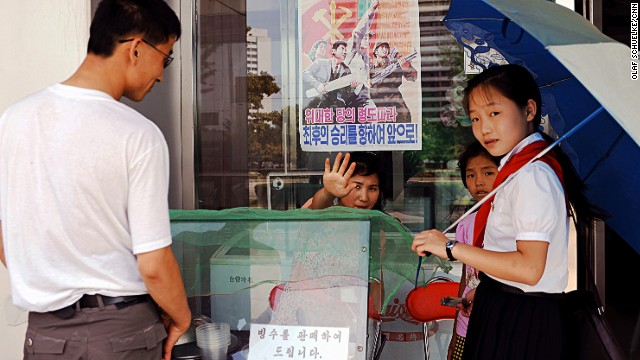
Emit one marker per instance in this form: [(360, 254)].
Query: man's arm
[(4, 262), (161, 274), (409, 72)]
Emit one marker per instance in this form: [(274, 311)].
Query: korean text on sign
[(297, 342), (360, 134)]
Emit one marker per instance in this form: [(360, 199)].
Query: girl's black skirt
[(507, 323)]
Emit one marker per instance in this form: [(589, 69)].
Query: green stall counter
[(318, 268)]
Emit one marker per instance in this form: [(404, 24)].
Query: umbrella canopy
[(579, 70)]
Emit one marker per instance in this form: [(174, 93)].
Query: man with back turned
[(83, 199)]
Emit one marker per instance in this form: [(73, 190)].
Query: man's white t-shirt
[(83, 189)]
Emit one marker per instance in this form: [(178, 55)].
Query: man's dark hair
[(336, 44), (117, 20)]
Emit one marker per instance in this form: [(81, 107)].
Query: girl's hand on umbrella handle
[(430, 242), (421, 254)]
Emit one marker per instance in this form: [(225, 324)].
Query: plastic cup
[(213, 354), (213, 340)]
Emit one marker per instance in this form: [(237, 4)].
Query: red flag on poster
[(328, 20)]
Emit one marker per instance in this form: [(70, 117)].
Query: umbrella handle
[(418, 271)]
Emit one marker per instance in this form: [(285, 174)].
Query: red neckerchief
[(513, 165)]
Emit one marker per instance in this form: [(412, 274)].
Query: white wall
[(43, 42), (566, 3)]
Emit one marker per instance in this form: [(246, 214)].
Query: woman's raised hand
[(336, 180)]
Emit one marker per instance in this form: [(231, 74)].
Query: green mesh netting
[(338, 245)]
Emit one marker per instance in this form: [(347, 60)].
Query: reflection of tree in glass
[(453, 113), (260, 86), (442, 139), (451, 55), (265, 128), (443, 143)]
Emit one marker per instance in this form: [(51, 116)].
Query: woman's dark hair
[(516, 83), (116, 20), (473, 150), (314, 49), (367, 163)]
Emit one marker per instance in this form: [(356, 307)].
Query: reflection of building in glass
[(258, 51), (437, 69), (259, 58), (221, 98)]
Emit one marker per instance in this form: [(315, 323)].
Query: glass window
[(248, 58), (249, 81), (248, 142)]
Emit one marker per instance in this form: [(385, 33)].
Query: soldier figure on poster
[(387, 73)]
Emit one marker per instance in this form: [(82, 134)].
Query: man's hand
[(161, 274), (173, 334), (404, 64)]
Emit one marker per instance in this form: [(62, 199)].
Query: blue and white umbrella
[(587, 91)]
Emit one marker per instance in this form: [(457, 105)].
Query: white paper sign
[(298, 342)]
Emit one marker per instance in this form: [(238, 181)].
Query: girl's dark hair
[(473, 150), (116, 20), (516, 83), (512, 81), (367, 163)]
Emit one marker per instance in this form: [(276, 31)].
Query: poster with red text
[(359, 75)]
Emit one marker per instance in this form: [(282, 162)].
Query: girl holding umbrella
[(521, 233)]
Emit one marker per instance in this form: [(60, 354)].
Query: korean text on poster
[(359, 69), (298, 342)]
